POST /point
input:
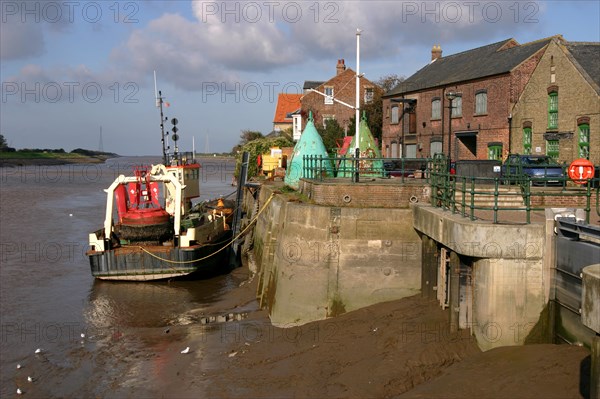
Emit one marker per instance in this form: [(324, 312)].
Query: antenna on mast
[(159, 104)]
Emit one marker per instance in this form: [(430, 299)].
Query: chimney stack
[(340, 67), (436, 52)]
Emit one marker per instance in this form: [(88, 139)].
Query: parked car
[(542, 170)]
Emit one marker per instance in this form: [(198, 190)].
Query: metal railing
[(446, 187), (320, 168), (464, 195)]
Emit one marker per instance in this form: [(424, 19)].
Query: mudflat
[(396, 348)]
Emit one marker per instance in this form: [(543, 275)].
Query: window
[(584, 141), (412, 122), (527, 140), (297, 125), (552, 148), (436, 109), (369, 93), (411, 151), (394, 149), (495, 151), (328, 94), (457, 107), (395, 115), (481, 102), (435, 147), (327, 118), (553, 110)]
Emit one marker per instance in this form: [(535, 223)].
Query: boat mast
[(159, 104)]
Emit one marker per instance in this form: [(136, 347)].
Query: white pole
[(193, 147), (357, 115)]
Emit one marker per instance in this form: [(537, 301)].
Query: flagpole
[(357, 113)]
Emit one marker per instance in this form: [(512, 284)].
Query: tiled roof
[(493, 59), (286, 104), (311, 84), (587, 55)]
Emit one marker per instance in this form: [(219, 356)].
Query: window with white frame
[(327, 118), (369, 94), (328, 94)]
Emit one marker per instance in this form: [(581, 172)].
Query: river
[(48, 297)]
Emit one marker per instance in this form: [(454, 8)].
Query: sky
[(80, 74)]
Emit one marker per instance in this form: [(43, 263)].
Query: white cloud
[(223, 41)]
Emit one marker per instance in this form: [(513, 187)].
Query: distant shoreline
[(96, 159), (14, 162)]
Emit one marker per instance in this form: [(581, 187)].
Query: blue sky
[(69, 69)]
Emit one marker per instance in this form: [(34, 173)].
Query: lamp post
[(451, 95)]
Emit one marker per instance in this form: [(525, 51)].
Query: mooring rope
[(216, 252)]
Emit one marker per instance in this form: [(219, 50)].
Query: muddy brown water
[(48, 297)]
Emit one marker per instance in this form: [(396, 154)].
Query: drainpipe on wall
[(403, 146), (443, 106), (509, 133)]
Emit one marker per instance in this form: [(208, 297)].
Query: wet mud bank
[(384, 350)]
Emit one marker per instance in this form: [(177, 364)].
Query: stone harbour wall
[(318, 261)]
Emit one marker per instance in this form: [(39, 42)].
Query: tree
[(258, 147), (331, 134), (245, 137), (3, 143), (287, 134), (249, 135)]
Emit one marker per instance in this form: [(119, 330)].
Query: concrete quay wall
[(508, 269), (318, 261)]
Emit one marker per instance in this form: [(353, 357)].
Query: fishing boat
[(155, 232)]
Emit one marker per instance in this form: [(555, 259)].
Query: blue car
[(542, 170)]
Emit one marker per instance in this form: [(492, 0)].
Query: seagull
[(19, 392), (29, 379), (82, 335), (19, 366), (186, 350), (38, 350)]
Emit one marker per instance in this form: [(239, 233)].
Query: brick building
[(558, 112), (342, 87), (487, 81)]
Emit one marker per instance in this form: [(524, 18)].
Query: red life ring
[(259, 160), (581, 170)]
